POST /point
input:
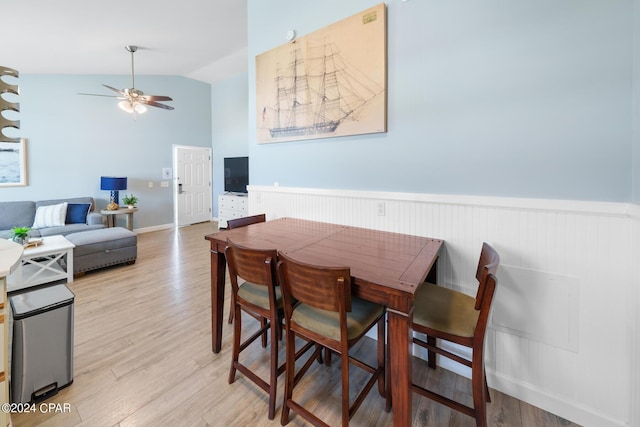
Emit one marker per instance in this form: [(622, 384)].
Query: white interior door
[(192, 189)]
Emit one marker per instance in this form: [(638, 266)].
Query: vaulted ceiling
[(201, 39)]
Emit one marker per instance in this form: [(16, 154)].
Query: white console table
[(231, 206)]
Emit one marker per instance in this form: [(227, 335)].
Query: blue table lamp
[(113, 184)]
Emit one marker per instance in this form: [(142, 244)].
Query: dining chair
[(260, 296), (319, 308), (237, 223), (245, 220), (452, 316)]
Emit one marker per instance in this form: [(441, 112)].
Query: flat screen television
[(236, 174)]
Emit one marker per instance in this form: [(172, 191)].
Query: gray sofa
[(22, 214), (95, 245)]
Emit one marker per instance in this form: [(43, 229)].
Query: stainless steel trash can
[(42, 347)]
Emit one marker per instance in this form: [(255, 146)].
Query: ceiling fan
[(134, 100)]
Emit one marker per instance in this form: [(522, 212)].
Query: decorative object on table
[(130, 201), (6, 105), (134, 101), (331, 82), (20, 235), (34, 242), (113, 184)]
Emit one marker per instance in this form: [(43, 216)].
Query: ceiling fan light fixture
[(132, 107), (134, 101)]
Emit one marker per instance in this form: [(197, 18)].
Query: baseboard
[(572, 411), (153, 228), (566, 409)]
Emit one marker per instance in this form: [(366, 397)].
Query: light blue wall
[(533, 96), (636, 103), (74, 139), (229, 125)]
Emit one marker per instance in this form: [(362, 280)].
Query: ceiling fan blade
[(156, 104), (96, 94), (115, 90), (156, 98)]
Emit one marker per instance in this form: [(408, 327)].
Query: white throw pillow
[(50, 216)]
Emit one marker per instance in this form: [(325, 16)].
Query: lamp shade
[(113, 183)]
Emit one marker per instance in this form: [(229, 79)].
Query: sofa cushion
[(17, 214), (50, 216), (106, 239), (68, 200), (64, 230), (77, 213)]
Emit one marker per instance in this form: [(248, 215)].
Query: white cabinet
[(231, 206)]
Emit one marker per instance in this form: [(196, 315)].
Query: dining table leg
[(218, 267), (400, 355)]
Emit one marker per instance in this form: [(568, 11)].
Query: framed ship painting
[(13, 163), (332, 82)]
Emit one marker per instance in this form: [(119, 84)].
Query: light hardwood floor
[(143, 356)]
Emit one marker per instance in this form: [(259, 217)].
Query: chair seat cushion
[(445, 310), (327, 323), (258, 294)]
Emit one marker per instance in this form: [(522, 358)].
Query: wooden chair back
[(326, 288), (487, 266), (253, 265), (244, 221)]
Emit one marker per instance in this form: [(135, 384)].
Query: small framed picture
[(13, 163)]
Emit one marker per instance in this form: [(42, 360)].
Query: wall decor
[(13, 163), (332, 82), (6, 105)]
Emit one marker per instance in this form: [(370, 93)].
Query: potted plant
[(130, 200), (20, 235)]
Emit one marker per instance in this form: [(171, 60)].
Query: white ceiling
[(201, 39)]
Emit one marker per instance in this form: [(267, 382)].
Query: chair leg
[(327, 356), (479, 387), (237, 330), (289, 376), (387, 380), (382, 356), (263, 324), (345, 387), (431, 355), (273, 381)]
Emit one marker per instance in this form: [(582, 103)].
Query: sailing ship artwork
[(328, 83)]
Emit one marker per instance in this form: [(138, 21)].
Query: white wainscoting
[(575, 264)]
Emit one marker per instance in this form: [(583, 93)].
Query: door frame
[(174, 178)]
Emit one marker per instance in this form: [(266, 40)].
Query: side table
[(111, 216)]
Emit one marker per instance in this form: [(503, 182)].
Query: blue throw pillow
[(77, 213)]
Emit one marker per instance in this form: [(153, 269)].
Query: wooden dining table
[(387, 268)]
